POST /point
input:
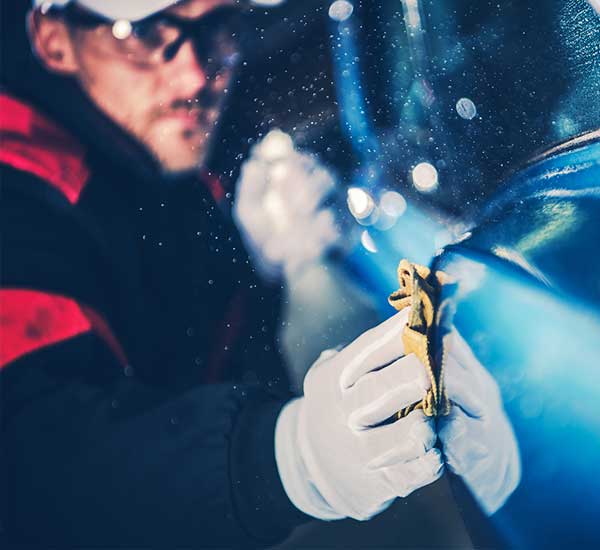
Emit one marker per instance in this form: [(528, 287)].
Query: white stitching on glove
[(335, 457), (478, 440)]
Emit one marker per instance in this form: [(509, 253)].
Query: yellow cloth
[(418, 290)]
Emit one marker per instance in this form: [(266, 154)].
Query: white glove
[(478, 440), (278, 206), (333, 459)]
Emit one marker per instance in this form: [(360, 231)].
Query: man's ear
[(52, 43)]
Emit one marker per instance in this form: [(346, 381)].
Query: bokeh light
[(360, 203), (393, 204), (425, 177), (340, 10), (122, 29), (367, 241)]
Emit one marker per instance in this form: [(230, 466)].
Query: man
[(144, 402)]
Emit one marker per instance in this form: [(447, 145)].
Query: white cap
[(132, 10)]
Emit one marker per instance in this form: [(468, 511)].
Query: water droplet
[(340, 10), (466, 108)]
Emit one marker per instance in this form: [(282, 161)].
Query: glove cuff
[(292, 470)]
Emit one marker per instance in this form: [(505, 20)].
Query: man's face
[(171, 106)]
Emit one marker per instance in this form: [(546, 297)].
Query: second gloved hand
[(478, 440), (278, 207), (335, 457)]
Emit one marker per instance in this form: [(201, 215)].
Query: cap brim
[(132, 10)]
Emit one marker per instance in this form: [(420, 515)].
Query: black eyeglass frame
[(200, 31)]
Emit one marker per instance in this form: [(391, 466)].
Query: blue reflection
[(527, 301), (528, 290), (543, 351), (414, 235), (353, 109)]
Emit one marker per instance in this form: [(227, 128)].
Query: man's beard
[(208, 108)]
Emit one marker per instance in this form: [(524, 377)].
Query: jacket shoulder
[(34, 144)]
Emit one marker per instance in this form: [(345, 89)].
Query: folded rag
[(419, 290)]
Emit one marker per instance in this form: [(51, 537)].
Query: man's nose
[(186, 72)]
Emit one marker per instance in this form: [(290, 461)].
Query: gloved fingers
[(323, 361), (402, 441), (462, 353), (325, 226), (304, 182), (463, 443), (495, 494), (492, 487), (314, 236), (321, 372), (467, 457), (463, 388), (325, 356), (253, 180), (373, 349), (308, 189), (380, 394), (407, 477), (254, 227), (274, 250), (453, 426), (382, 408), (457, 346), (321, 182), (317, 232)]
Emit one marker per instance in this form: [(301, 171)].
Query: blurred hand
[(478, 440), (278, 207), (335, 457)]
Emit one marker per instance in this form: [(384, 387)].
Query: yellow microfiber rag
[(418, 290)]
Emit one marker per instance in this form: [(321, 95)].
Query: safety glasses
[(158, 39)]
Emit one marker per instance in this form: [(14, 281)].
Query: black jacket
[(141, 379)]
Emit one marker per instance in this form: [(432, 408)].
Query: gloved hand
[(478, 440), (278, 207), (335, 459)]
